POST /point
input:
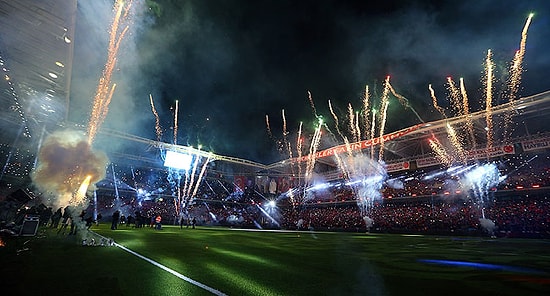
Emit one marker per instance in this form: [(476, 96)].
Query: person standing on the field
[(193, 222), (114, 222)]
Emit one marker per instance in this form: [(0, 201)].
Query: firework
[(372, 128), (335, 120), (268, 127), (440, 152), (517, 64), (176, 111), (312, 104), (489, 67), (434, 101), (366, 112), (105, 89), (455, 141), (351, 119), (383, 115), (158, 130)]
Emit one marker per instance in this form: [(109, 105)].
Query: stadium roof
[(36, 47)]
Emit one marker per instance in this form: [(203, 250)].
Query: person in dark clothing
[(56, 217), (193, 222), (114, 222), (67, 219)]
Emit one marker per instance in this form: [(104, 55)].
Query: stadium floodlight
[(177, 160)]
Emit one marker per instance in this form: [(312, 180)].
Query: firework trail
[(372, 129), (312, 104), (192, 176), (383, 116), (516, 70), (335, 120), (299, 144), (105, 90), (489, 67), (352, 126), (357, 127), (440, 152), (201, 174), (466, 112), (176, 111), (158, 130), (268, 127), (455, 141), (434, 101), (404, 101), (366, 111), (517, 64), (454, 93), (312, 151)]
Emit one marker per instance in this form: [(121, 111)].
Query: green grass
[(239, 262)]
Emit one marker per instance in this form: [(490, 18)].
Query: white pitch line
[(179, 275)]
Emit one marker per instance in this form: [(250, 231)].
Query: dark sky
[(231, 63)]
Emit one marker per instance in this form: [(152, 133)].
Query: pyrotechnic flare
[(335, 120), (455, 141), (366, 111), (466, 108), (383, 115), (434, 101), (517, 64), (454, 94), (489, 67), (352, 126), (158, 129), (105, 90), (312, 104), (176, 111), (516, 70), (312, 151), (357, 127), (372, 129), (268, 127), (440, 152), (192, 175), (199, 179), (299, 144)]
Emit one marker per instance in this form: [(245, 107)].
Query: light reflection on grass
[(248, 286), (247, 257)]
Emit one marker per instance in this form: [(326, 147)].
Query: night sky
[(231, 63)]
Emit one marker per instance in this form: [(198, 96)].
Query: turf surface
[(237, 262)]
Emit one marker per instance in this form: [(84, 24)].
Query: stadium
[(453, 205)]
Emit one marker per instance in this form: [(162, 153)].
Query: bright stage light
[(178, 160)]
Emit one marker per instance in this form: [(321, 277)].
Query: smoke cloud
[(65, 160)]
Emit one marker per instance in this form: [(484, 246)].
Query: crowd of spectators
[(517, 206)]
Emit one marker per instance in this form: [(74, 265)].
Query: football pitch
[(222, 261)]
